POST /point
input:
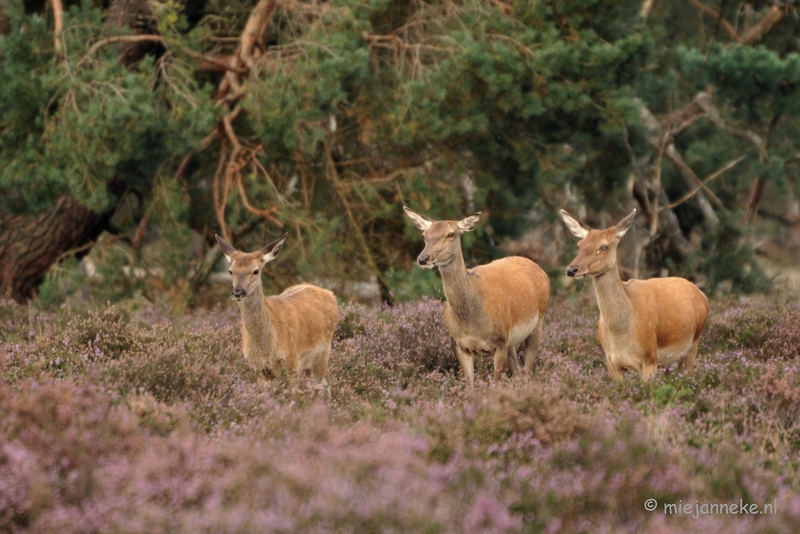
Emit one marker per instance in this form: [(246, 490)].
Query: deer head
[(442, 238), (245, 268), (597, 248)]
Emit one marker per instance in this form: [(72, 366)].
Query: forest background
[(132, 131), (135, 130)]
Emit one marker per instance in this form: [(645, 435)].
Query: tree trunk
[(29, 246)]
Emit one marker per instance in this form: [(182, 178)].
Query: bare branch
[(266, 214), (756, 33), (716, 16), (118, 39), (221, 63), (702, 185)]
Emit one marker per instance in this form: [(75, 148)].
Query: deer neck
[(464, 298), (612, 299), (256, 323)]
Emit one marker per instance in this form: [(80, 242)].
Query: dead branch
[(757, 32), (702, 185), (118, 39), (204, 61), (718, 17), (675, 158), (266, 214)]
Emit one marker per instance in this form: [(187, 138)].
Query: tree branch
[(756, 33), (203, 60), (716, 16), (702, 185), (255, 27)]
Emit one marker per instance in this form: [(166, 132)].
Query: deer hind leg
[(532, 347), (688, 360), (319, 370), (467, 364), (513, 361)]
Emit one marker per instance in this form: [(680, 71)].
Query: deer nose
[(572, 271), (239, 293), (423, 260)]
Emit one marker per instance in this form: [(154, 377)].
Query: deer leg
[(688, 360), (467, 364), (513, 361), (650, 366), (617, 374), (532, 347), (501, 358), (320, 369)]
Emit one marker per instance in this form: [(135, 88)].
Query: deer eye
[(255, 272), (451, 235), (604, 247), (230, 272)]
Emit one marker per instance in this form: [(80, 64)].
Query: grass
[(141, 421)]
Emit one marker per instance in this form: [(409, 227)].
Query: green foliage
[(72, 128), (355, 108), (727, 257)]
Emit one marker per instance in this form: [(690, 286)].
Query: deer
[(290, 332), (490, 309), (644, 324)]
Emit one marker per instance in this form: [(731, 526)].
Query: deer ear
[(578, 229), (625, 224), (225, 247), (468, 224), (269, 252), (420, 221)]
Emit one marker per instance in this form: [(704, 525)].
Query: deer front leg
[(513, 361), (617, 374), (650, 366), (502, 355), (467, 364)]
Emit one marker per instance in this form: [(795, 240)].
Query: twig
[(118, 39)]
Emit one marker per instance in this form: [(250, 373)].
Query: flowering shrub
[(143, 421)]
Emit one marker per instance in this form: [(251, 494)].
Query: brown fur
[(490, 309), (640, 318), (292, 331)]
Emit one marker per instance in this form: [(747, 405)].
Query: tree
[(323, 118)]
